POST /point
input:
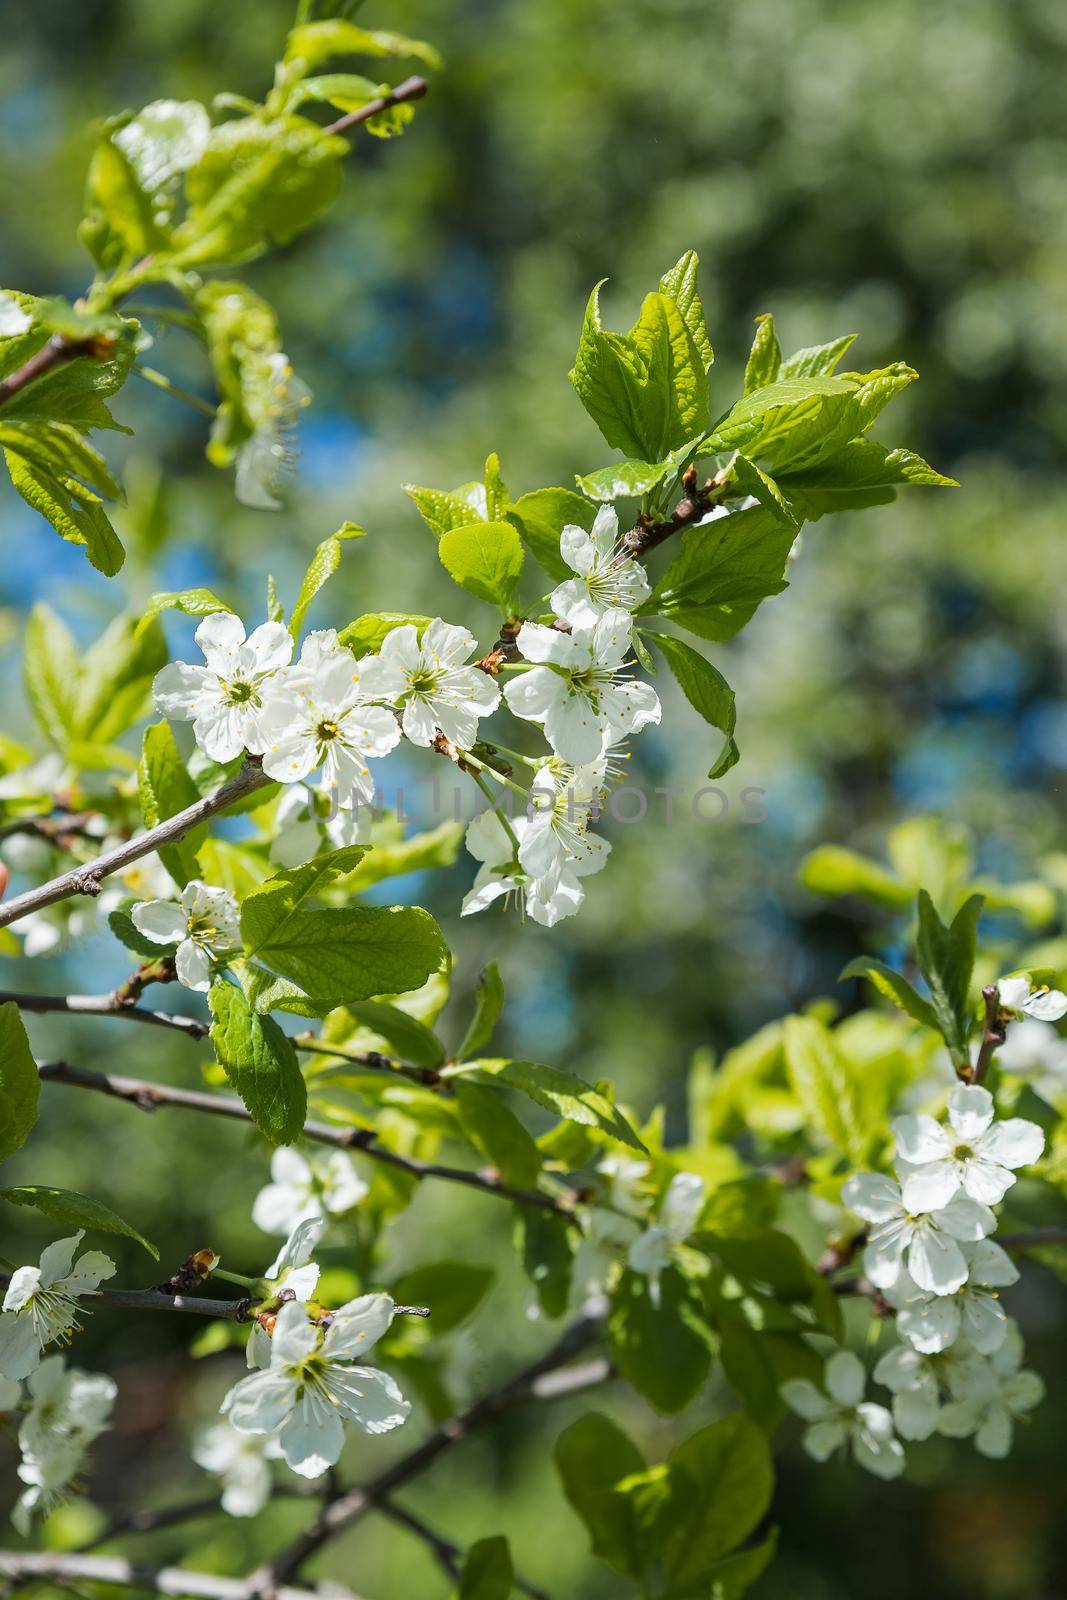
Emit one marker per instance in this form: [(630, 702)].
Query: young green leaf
[(442, 510), (495, 1130), (324, 563), (817, 360), (541, 516), (364, 636), (164, 788), (487, 1573), (556, 1090), (727, 1467), (74, 1210), (485, 558), (409, 1037), (194, 602), (822, 1082), (680, 285), (50, 674), (894, 987), (946, 960), (260, 1063), (723, 569), (593, 1456), (488, 1004), (765, 358), (74, 512), (664, 1349), (707, 692), (546, 1244), (20, 1085)]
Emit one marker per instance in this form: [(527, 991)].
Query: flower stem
[(161, 381), (501, 818), (483, 766), (236, 1277)]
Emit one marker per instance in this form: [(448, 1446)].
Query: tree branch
[(52, 353), (373, 1060), (449, 1556), (87, 879), (54, 1566), (410, 89), (541, 1380), (155, 1096), (1033, 1238), (106, 1005), (156, 1300), (994, 1032)]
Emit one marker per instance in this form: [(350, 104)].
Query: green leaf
[(624, 479), (261, 180), (122, 220), (541, 516), (405, 1034), (366, 634), (894, 987), (194, 602), (594, 1459), (756, 1364), (259, 1062), (488, 1004), (74, 512), (728, 1466), (314, 42), (817, 360), (115, 679), (722, 571), (74, 1209), (485, 558), (556, 1090), (863, 473), (453, 1290), (791, 423), (324, 563), (442, 510), (774, 1271), (645, 390), (680, 285), (546, 1245), (664, 1350), (338, 955), (497, 498), (164, 788), (834, 870), (731, 1576), (495, 1130), (763, 488), (20, 1086), (946, 960), (487, 1572), (50, 674), (59, 450), (824, 1086), (707, 692), (765, 358)]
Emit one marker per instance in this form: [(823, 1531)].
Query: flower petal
[(970, 1110), (1014, 1143), (920, 1139), (845, 1378), (936, 1262)]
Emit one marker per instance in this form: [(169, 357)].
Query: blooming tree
[(664, 1259)]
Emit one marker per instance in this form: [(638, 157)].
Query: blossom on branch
[(225, 699), (41, 1303), (841, 1416), (606, 578), (301, 1188), (430, 682), (927, 1244), (204, 923), (972, 1154)]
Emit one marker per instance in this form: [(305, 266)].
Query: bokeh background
[(896, 170)]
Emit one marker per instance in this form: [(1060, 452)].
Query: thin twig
[(372, 1060), (156, 1300), (1033, 1238), (106, 1005), (994, 1033), (87, 879), (410, 89), (52, 353), (542, 1379), (448, 1555), (156, 1096)]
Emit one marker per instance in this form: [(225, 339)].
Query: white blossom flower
[(1034, 1050), (48, 1478), (431, 682), (240, 1462), (203, 922), (300, 831), (13, 319), (990, 1414), (973, 1154), (932, 1322), (625, 1175), (320, 716), (842, 1416), (224, 700), (917, 1380), (41, 1303), (654, 1250), (563, 802), (547, 899), (65, 1403), (607, 579), (302, 1188), (577, 690), (267, 457), (1047, 1005), (926, 1244), (311, 1386), (293, 1273)]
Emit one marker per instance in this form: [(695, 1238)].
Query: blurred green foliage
[(898, 170)]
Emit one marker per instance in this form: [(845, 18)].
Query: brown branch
[(57, 1567), (994, 1033), (695, 503), (53, 353), (372, 1060), (541, 1380), (155, 1096), (1033, 1238), (410, 89), (156, 1300), (87, 879), (106, 1005), (59, 830)]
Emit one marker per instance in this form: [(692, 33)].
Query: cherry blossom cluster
[(956, 1368), (64, 1410), (330, 714)]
